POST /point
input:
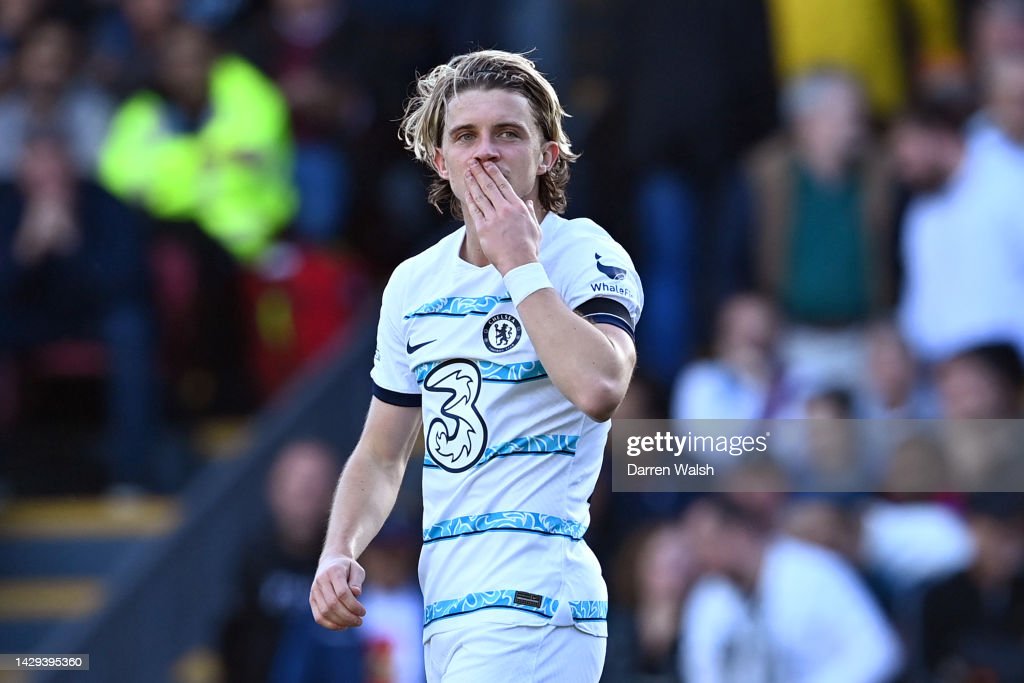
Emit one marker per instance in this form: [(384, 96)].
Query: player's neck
[(471, 251)]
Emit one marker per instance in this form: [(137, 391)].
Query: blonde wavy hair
[(422, 126)]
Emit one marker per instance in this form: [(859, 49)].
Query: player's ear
[(548, 157), (439, 164)]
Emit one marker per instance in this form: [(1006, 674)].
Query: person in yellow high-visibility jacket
[(212, 144), (863, 37)]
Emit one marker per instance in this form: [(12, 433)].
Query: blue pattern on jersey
[(494, 372), (513, 520), (589, 610), (581, 610), (459, 306), (545, 444)]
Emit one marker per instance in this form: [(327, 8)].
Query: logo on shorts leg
[(502, 332)]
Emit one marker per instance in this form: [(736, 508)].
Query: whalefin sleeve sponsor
[(601, 269)]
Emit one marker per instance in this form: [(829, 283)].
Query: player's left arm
[(591, 364)]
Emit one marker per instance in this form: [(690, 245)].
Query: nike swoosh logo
[(410, 349)]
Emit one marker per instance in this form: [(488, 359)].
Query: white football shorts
[(500, 653)]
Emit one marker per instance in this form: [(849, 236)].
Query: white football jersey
[(510, 463)]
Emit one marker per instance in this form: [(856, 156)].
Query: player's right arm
[(365, 495)]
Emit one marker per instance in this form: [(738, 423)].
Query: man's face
[(45, 61), (711, 539), (916, 153), (998, 30), (149, 15), (999, 546), (835, 128), (1006, 95), (498, 126), (748, 327), (299, 491), (969, 390), (890, 366), (186, 58)]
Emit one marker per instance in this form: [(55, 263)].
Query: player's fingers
[(356, 576), (474, 208), (343, 594), (487, 184), (500, 183), (321, 611), (336, 611), (476, 193)]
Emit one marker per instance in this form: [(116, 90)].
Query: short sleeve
[(393, 381), (600, 282)]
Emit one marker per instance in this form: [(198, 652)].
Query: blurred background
[(200, 201)]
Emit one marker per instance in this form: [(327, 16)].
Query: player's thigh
[(516, 654), (567, 655), (487, 653)]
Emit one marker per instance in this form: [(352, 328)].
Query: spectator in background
[(981, 391), (983, 382), (865, 38), (833, 523), (963, 235), (1001, 119), (744, 379), (997, 42), (826, 522), (824, 212), (996, 29), (124, 43), (316, 51), (894, 388), (211, 144), (910, 535), (16, 17), (653, 574), (972, 622), (762, 488), (270, 635), (812, 618), (72, 264), (125, 35), (833, 455), (719, 639), (394, 606), (47, 93), (207, 154)]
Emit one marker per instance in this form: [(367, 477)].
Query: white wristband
[(523, 281)]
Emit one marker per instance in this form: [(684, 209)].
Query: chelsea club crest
[(502, 332)]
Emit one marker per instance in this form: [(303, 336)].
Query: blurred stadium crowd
[(825, 201)]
